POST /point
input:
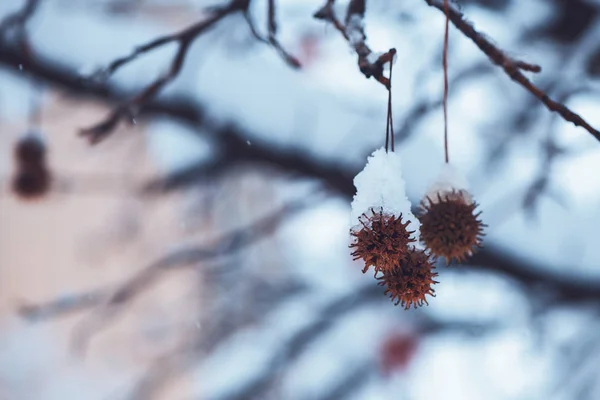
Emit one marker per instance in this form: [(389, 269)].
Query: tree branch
[(233, 139), (513, 68), (353, 32), (293, 347), (17, 23), (184, 39), (111, 301)]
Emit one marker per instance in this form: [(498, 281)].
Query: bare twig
[(513, 68), (19, 18), (16, 23), (326, 317), (353, 31), (225, 245), (272, 39), (63, 305), (271, 36), (184, 39), (336, 176)]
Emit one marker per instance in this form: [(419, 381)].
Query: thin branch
[(272, 38), (562, 288), (327, 316), (353, 31), (63, 305), (19, 18), (16, 23), (336, 176), (226, 245), (184, 39), (513, 68)]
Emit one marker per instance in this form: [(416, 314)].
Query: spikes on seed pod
[(410, 280), (450, 224)]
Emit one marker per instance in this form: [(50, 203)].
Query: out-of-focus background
[(200, 251)]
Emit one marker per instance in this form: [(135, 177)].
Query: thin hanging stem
[(445, 64), (390, 115), (387, 130), (389, 125)]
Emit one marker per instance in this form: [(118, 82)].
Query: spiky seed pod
[(381, 241), (32, 178), (30, 151), (410, 280), (450, 228), (31, 183)]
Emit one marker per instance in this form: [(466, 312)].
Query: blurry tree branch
[(353, 380), (110, 302), (295, 346), (559, 286), (184, 39), (16, 24), (512, 67), (271, 38), (232, 141), (220, 326)]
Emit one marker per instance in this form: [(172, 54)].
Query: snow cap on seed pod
[(450, 227), (382, 224)]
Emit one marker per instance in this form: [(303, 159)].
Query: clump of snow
[(354, 29), (374, 56), (380, 186), (449, 179)]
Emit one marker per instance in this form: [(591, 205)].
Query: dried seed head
[(381, 241), (410, 280), (450, 228), (31, 183), (30, 150)]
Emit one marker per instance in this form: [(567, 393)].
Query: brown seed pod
[(410, 280), (31, 183), (450, 228), (381, 241), (30, 151)]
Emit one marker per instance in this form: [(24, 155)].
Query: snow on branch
[(512, 67), (232, 140), (369, 63)]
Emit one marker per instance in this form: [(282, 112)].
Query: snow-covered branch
[(370, 63), (512, 67)]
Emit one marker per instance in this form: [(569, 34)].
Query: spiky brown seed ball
[(30, 150), (450, 228), (381, 241), (410, 280), (31, 183)]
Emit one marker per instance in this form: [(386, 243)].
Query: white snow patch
[(449, 179), (354, 29), (380, 186)]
